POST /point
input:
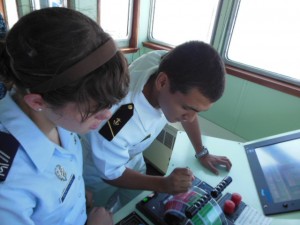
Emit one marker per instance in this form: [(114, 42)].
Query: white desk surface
[(240, 172)]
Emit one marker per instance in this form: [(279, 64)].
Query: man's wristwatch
[(203, 153)]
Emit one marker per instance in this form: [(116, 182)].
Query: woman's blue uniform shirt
[(32, 192)]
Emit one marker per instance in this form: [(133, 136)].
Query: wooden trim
[(3, 11), (133, 42), (155, 46), (129, 50), (263, 80), (2, 8)]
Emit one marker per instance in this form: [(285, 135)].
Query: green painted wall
[(247, 109), (252, 111)]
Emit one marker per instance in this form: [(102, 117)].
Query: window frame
[(256, 75), (156, 43), (236, 70), (133, 33), (124, 41)]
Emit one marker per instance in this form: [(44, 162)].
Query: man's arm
[(179, 181)]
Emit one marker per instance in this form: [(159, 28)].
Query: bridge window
[(174, 22), (119, 18), (115, 17), (265, 38)]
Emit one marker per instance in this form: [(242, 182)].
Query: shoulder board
[(8, 149), (117, 121)]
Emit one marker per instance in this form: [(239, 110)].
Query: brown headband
[(82, 68)]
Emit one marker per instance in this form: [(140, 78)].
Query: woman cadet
[(60, 73)]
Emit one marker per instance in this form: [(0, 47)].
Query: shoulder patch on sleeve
[(8, 149), (117, 121)]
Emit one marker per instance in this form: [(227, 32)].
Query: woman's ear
[(35, 102)]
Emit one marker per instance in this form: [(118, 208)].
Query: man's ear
[(162, 80), (35, 101)]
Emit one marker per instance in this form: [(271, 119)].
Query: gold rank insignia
[(117, 121)]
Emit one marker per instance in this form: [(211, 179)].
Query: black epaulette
[(8, 149), (117, 121)]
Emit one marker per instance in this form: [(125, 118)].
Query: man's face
[(179, 107)]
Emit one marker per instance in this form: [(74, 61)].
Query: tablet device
[(275, 166)]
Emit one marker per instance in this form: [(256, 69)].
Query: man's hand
[(211, 161), (99, 216), (179, 181)]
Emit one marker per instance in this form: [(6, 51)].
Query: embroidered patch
[(60, 173)]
